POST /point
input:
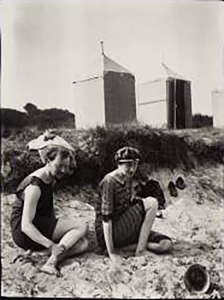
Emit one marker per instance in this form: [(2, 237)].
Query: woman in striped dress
[(121, 218)]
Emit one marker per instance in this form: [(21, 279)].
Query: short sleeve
[(107, 187), (36, 181), (28, 181)]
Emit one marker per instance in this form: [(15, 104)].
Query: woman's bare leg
[(70, 236), (151, 208), (79, 247)]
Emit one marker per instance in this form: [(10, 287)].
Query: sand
[(194, 221)]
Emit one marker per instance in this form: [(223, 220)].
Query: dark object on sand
[(152, 188), (197, 279), (172, 189), (180, 184)]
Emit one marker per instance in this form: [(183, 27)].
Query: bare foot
[(141, 252), (50, 266), (145, 253), (49, 269)]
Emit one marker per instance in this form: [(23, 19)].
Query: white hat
[(48, 139)]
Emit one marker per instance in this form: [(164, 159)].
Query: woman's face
[(60, 166), (129, 168)]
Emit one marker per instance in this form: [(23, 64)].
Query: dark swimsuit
[(44, 220)]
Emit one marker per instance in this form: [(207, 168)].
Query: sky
[(46, 45)]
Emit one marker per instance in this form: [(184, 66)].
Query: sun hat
[(48, 138), (127, 154), (197, 279)]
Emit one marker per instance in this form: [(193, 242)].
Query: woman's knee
[(81, 229), (65, 226), (150, 203)]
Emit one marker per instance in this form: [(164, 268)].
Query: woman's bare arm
[(107, 230), (31, 197)]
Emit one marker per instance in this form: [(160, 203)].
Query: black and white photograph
[(112, 149)]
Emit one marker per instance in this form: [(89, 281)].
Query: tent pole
[(102, 49)]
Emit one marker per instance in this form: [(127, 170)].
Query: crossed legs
[(71, 240)]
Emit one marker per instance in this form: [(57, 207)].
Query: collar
[(119, 177)]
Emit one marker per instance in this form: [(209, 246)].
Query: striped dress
[(116, 203)]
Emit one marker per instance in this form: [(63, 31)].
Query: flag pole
[(102, 48)]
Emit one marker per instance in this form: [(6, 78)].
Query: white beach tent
[(106, 95), (165, 101), (218, 108)]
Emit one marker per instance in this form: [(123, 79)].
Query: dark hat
[(197, 279), (180, 184), (127, 154)]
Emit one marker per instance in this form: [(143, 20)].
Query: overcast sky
[(47, 44)]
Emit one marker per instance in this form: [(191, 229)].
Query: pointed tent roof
[(171, 73), (111, 65), (101, 66), (164, 73)]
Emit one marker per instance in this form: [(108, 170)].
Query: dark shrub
[(95, 149), (200, 121)]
